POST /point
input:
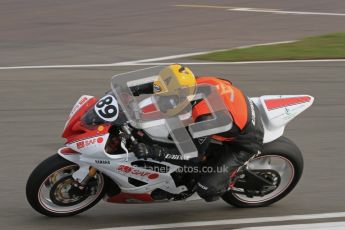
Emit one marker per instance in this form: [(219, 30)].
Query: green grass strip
[(330, 46)]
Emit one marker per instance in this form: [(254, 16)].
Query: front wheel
[(281, 162), (48, 189)]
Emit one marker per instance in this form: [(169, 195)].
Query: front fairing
[(83, 104), (85, 131)]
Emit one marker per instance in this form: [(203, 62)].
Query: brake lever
[(123, 146), (126, 134)]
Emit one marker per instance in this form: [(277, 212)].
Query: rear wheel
[(281, 164), (48, 189)]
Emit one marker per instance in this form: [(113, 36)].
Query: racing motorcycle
[(97, 161)]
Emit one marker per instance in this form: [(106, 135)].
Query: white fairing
[(277, 110), (91, 145), (119, 168)]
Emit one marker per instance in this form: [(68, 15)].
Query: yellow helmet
[(174, 78), (178, 82)]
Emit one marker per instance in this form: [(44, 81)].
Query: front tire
[(48, 185), (283, 150)]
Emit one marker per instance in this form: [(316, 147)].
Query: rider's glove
[(155, 152), (141, 151), (159, 153)]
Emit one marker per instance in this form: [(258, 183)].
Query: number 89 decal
[(107, 108)]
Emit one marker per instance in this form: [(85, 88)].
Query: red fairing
[(130, 198), (68, 151), (149, 108), (150, 113), (75, 130), (272, 104)]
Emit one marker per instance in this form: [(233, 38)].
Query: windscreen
[(173, 105)]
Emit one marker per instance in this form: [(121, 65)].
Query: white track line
[(153, 61), (237, 63), (243, 9), (124, 64), (318, 226), (171, 57), (206, 52), (263, 10), (262, 44), (135, 62), (54, 66), (233, 221)]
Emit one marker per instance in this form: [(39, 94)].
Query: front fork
[(82, 178), (91, 173), (85, 172)]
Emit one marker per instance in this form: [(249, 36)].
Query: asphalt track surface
[(35, 103)]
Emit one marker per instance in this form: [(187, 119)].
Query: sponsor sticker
[(102, 162), (85, 143), (156, 88), (137, 172)]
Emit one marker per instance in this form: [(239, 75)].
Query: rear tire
[(285, 149), (44, 174)]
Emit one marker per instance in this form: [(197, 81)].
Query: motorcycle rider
[(243, 141)]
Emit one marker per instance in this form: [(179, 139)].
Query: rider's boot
[(215, 173)]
